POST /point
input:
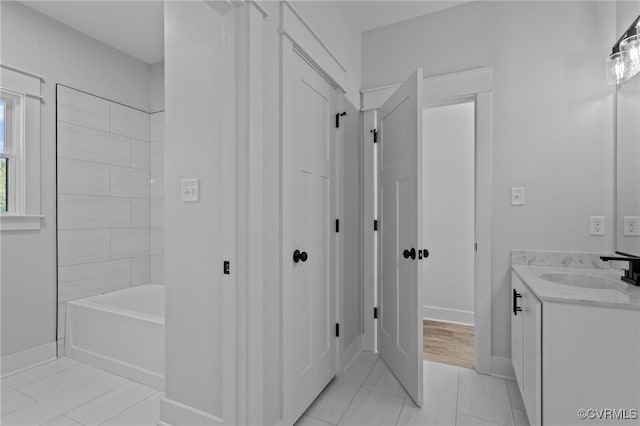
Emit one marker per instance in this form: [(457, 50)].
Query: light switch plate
[(517, 196), (190, 190), (632, 226)]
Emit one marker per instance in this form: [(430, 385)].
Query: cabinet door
[(532, 355), (517, 324)]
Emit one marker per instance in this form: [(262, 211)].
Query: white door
[(399, 164), (308, 198)]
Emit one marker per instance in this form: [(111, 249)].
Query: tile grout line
[(457, 395), (356, 393)]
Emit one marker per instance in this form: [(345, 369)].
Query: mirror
[(628, 167)]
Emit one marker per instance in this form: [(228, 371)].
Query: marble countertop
[(627, 298)]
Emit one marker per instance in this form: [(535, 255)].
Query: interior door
[(400, 195), (310, 352)]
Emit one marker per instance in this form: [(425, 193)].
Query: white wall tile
[(129, 242), (157, 212), (81, 177), (83, 246), (62, 319), (157, 241), (140, 212), (140, 157), (157, 269), (157, 183), (89, 212), (128, 182), (82, 109), (77, 281), (80, 143), (141, 270), (156, 154), (157, 126), (129, 122)]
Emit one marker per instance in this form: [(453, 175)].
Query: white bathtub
[(121, 332)]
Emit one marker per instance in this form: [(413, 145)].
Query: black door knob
[(425, 253), (299, 256), (409, 253)]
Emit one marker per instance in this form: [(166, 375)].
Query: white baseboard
[(178, 414), (502, 367), (350, 354), (17, 362), (447, 315)]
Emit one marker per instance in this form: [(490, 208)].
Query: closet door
[(308, 208), (400, 195)]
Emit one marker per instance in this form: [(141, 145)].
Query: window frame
[(14, 150)]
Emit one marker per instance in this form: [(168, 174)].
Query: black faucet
[(631, 275)]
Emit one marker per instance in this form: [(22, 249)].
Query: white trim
[(368, 234), (464, 83), (502, 367), (309, 45), (174, 413), (455, 316), (20, 222), (224, 6), (21, 71), (15, 363)]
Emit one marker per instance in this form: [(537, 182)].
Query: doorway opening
[(448, 214)]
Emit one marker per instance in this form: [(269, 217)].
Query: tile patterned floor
[(69, 393), (369, 394)]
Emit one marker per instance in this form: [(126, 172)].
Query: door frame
[(298, 38), (475, 84)]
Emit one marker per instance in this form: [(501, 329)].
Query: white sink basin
[(583, 280)]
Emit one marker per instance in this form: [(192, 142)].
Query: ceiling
[(140, 28)]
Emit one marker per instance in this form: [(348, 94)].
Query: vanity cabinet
[(569, 356), (526, 346)]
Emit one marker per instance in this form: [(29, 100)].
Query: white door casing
[(400, 227), (308, 196)]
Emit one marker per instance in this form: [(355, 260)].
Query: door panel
[(310, 358), (400, 323)]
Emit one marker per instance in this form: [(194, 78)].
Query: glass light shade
[(617, 68), (630, 47)]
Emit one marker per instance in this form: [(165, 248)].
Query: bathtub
[(121, 332)]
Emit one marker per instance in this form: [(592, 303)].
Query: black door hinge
[(338, 115), (375, 135), (337, 330), (375, 225), (375, 313), (225, 267), (337, 225)]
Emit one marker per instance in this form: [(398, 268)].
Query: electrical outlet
[(190, 190), (597, 225), (517, 196), (631, 226)]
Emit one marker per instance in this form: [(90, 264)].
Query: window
[(11, 152)]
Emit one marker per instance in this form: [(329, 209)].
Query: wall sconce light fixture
[(624, 61)]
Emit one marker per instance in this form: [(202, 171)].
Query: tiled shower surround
[(110, 198)]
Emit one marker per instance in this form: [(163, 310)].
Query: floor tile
[(335, 399), (484, 397), (520, 417), (310, 421), (514, 395), (14, 400), (145, 413), (54, 405), (62, 421), (382, 380), (463, 420), (36, 373), (110, 404), (438, 408), (371, 409), (440, 376), (364, 362), (59, 381)]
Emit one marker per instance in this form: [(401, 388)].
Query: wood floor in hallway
[(448, 343)]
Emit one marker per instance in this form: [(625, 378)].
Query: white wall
[(342, 38), (552, 116), (448, 212), (41, 45), (156, 88), (200, 122)]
